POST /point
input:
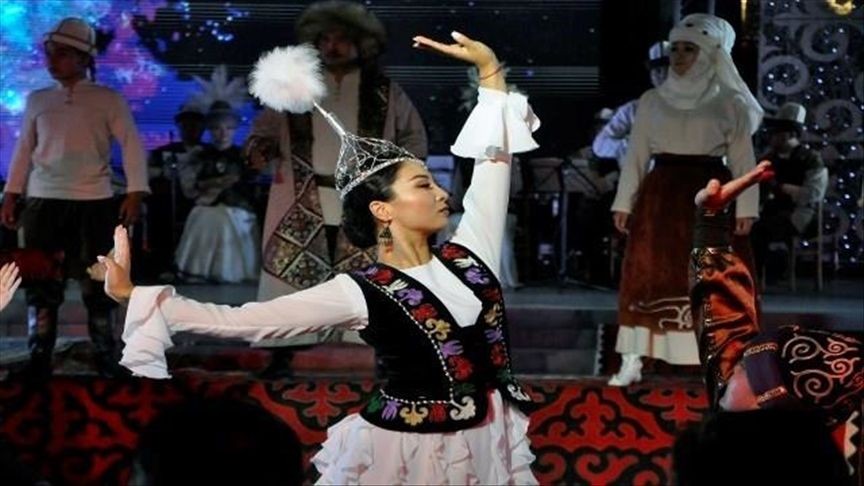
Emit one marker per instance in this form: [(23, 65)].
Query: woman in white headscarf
[(695, 126)]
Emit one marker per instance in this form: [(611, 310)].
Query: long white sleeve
[(19, 168), (741, 159), (500, 124), (638, 156), (156, 313), (124, 131)]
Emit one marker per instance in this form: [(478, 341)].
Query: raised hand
[(491, 72), (465, 49), (9, 282), (116, 268), (715, 196)]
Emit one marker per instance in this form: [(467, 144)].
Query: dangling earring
[(385, 239)]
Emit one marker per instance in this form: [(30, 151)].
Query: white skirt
[(220, 243), (494, 452)]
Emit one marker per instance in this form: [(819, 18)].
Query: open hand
[(715, 196), (116, 268), (9, 282), (465, 49)]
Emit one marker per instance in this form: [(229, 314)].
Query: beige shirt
[(64, 150), (343, 100), (717, 128)]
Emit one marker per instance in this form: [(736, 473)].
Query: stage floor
[(556, 331), (584, 433)]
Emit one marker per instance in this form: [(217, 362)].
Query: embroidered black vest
[(438, 373)]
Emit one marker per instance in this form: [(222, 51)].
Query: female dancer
[(451, 411), (694, 127)]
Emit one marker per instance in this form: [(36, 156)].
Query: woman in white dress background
[(221, 237), (479, 435), (695, 126)]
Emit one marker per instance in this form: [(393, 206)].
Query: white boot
[(630, 372)]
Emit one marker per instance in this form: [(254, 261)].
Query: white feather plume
[(218, 88), (288, 78)]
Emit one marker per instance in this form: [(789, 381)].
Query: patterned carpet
[(84, 430)]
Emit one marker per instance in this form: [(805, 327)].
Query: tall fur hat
[(359, 23)]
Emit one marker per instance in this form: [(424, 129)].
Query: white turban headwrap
[(712, 70)]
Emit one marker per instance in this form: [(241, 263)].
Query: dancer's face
[(337, 48), (419, 204), (682, 56), (65, 63), (738, 395)]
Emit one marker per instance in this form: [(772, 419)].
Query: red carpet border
[(83, 430)]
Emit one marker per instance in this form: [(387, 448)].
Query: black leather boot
[(42, 335), (100, 326)]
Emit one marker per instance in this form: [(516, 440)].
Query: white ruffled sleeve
[(154, 314), (501, 124)]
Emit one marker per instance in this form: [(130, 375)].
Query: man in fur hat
[(790, 201), (303, 244)]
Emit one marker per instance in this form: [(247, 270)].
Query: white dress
[(716, 128), (357, 452), (220, 243)]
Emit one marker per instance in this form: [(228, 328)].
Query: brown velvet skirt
[(654, 277)]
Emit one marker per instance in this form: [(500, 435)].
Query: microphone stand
[(173, 169)]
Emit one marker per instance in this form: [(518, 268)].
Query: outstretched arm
[(156, 313), (722, 290)]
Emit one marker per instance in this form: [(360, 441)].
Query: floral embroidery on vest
[(458, 369)]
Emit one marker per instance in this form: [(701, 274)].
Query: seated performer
[(221, 240), (791, 199), (451, 411)]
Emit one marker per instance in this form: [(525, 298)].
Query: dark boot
[(42, 335), (100, 326)]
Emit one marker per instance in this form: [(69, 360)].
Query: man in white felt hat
[(791, 199), (62, 162)]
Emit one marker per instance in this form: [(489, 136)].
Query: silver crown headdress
[(289, 79)]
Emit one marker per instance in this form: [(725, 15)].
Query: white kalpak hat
[(792, 112), (789, 118), (74, 32), (715, 38)]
